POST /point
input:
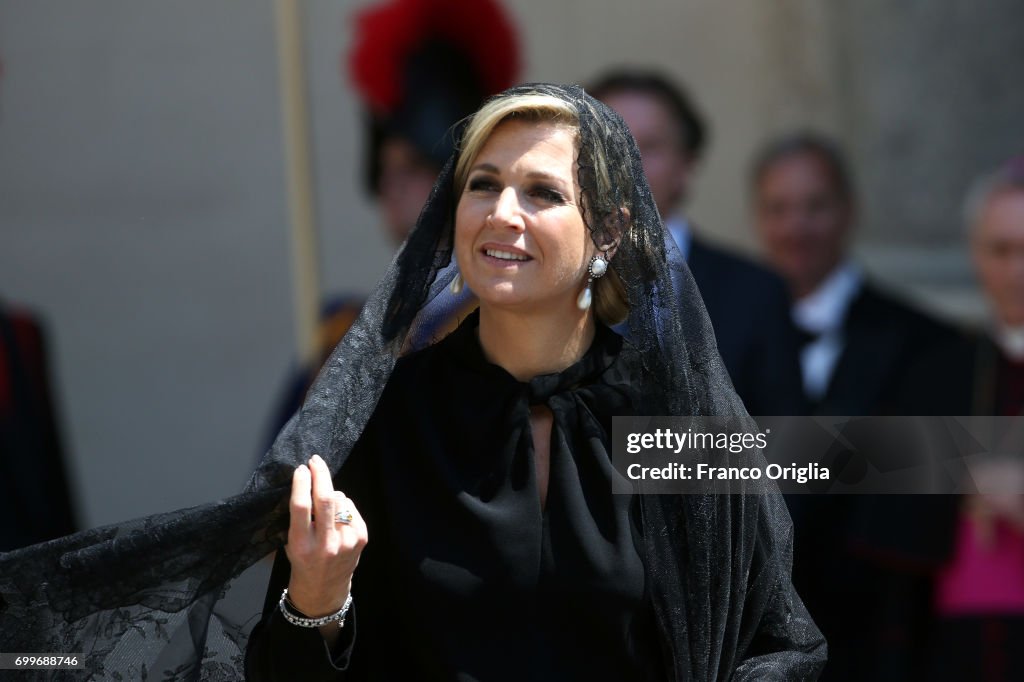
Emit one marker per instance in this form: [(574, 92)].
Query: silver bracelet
[(286, 607)]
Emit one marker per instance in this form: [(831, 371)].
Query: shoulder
[(412, 367), (734, 271), (414, 378), (940, 381), (744, 300), (426, 366), (888, 308)]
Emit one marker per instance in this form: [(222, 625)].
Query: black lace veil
[(174, 596)]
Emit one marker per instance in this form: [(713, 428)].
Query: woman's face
[(520, 239)]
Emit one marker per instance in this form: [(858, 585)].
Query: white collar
[(824, 309), (679, 227), (1010, 340)]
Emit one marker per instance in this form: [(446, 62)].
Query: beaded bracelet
[(286, 608)]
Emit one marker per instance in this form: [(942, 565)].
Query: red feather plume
[(387, 34)]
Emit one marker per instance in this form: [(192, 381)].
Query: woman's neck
[(530, 344)]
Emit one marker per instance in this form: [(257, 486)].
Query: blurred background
[(144, 206)]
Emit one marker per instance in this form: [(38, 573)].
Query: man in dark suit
[(748, 305), (862, 563), (857, 339)]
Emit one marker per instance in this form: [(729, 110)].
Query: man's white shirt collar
[(823, 312), (824, 309)]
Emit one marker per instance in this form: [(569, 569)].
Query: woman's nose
[(507, 211)]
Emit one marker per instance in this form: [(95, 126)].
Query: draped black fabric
[(466, 576), (170, 596)]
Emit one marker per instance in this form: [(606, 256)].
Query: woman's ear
[(617, 225), (608, 250)]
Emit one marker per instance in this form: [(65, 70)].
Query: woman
[(482, 539), (484, 477)]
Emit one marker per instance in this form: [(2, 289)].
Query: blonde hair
[(611, 304)]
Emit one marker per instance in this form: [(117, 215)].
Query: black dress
[(465, 576)]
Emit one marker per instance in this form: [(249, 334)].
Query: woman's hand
[(323, 552)]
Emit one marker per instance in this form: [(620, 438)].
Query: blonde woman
[(472, 532)]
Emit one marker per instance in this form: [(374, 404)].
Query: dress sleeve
[(279, 651)]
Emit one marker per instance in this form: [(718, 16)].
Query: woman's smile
[(504, 256)]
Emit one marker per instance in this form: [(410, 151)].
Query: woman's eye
[(548, 194), (482, 185)]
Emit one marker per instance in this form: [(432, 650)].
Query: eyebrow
[(541, 175)]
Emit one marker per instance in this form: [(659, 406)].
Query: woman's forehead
[(537, 142)]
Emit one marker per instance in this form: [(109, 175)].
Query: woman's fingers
[(323, 498), (300, 504), (316, 510)]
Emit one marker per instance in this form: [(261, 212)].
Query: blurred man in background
[(747, 304), (856, 339), (862, 564)]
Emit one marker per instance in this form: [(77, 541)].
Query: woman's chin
[(508, 295), (504, 297), (520, 302)]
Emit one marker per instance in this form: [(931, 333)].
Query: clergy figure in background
[(747, 304), (979, 592)]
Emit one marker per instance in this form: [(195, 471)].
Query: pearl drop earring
[(597, 268)]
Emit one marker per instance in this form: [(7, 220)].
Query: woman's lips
[(504, 256)]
